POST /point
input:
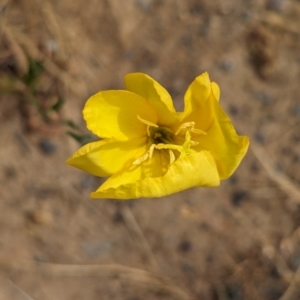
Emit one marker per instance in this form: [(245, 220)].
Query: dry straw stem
[(283, 181), (127, 215), (18, 53), (4, 8), (53, 25), (293, 291), (20, 292), (153, 280), (268, 250), (289, 244), (276, 21), (138, 235)]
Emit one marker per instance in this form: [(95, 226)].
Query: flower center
[(161, 138), (160, 135)]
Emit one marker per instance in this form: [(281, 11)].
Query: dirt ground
[(238, 241)]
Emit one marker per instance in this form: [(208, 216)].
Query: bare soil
[(238, 241)]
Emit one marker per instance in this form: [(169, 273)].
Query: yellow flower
[(147, 149)]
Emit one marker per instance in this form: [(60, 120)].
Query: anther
[(187, 125), (172, 156)]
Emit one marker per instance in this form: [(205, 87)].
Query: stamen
[(162, 140), (184, 125), (141, 159), (194, 143), (198, 131), (147, 122), (144, 157), (168, 146), (172, 156), (192, 125), (151, 150), (187, 138), (150, 124)]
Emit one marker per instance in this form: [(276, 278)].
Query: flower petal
[(113, 114), (157, 95), (154, 167), (104, 158), (221, 139), (227, 148), (216, 90), (197, 169), (196, 94)]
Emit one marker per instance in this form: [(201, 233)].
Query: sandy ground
[(238, 241)]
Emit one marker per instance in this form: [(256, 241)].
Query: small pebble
[(187, 40), (274, 272), (40, 217), (129, 55), (41, 258), (254, 167), (273, 292), (277, 5), (89, 182), (233, 180), (185, 246), (47, 146), (205, 27), (233, 110), (226, 65), (94, 249), (117, 217), (234, 292), (296, 159), (145, 5), (263, 97), (296, 110), (245, 16), (210, 258), (197, 9), (10, 172), (52, 46), (260, 138), (295, 138), (188, 268), (239, 197), (295, 261)]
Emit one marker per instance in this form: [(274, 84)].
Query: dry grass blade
[(4, 8), (268, 250), (281, 179), (156, 281), (51, 20), (293, 291), (21, 60), (22, 293), (276, 21), (139, 236), (51, 67)]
